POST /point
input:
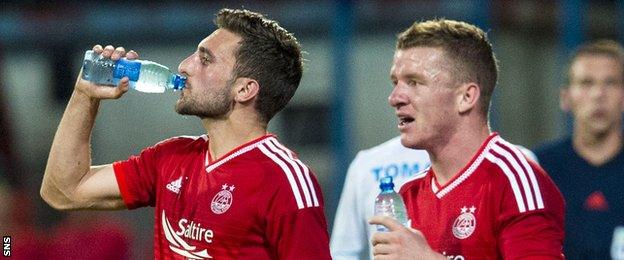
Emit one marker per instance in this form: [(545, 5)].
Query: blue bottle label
[(127, 68)]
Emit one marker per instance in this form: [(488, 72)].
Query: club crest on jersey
[(223, 200), (465, 224)]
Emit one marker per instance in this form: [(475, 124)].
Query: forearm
[(70, 156)]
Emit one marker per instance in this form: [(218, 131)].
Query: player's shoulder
[(554, 149), (509, 157), (392, 149), (271, 150), (181, 141), (415, 182), (526, 179), (274, 158), (287, 176)]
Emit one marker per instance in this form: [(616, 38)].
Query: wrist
[(84, 98), (433, 255)]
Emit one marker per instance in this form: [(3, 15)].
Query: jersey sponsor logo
[(189, 230), (175, 186), (465, 224), (222, 201), (397, 170)]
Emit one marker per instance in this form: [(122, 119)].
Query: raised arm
[(70, 182)]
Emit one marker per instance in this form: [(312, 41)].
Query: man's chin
[(183, 110), (408, 142)]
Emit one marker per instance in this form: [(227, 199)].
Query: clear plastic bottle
[(145, 76), (389, 203)]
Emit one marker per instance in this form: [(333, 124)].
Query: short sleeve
[(535, 233), (136, 178)]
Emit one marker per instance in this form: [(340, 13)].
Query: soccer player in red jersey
[(233, 193), (481, 198)]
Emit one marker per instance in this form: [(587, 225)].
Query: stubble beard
[(214, 105)]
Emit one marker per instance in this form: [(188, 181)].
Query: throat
[(598, 150)]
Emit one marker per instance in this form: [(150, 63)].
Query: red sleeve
[(297, 233), (300, 235), (534, 234), (136, 178)]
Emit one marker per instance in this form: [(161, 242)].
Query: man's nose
[(183, 66), (396, 97)]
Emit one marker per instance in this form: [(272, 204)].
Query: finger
[(108, 92), (122, 87), (108, 51), (118, 53), (383, 249), (381, 238), (98, 48), (388, 222), (131, 55)]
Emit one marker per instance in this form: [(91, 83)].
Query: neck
[(227, 134), (455, 152), (597, 149)]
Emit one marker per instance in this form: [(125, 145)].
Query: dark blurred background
[(340, 107)]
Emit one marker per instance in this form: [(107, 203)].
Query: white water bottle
[(145, 76), (389, 203)]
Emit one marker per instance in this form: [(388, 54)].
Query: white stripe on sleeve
[(293, 164), (291, 179), (525, 163), (516, 168), (512, 180), (306, 171)]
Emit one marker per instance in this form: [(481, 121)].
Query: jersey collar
[(246, 147), (465, 172)]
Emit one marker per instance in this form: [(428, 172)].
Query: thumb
[(389, 222)]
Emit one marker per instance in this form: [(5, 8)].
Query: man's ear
[(468, 97), (564, 99), (246, 89)]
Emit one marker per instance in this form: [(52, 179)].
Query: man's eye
[(205, 60), (586, 83)]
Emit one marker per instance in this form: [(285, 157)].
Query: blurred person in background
[(588, 166), (481, 197), (233, 193)]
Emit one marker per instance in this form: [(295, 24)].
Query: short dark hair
[(463, 43), (601, 47), (268, 54)]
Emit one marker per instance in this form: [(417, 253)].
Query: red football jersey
[(257, 202), (499, 206)]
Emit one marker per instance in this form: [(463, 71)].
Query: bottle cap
[(178, 81), (385, 183)]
